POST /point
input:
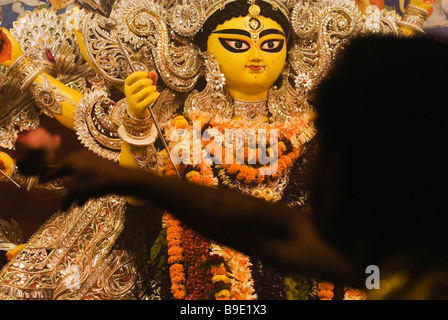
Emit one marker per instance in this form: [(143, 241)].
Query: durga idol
[(173, 71)]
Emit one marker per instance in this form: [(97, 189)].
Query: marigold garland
[(185, 246), (219, 278), (196, 249), (296, 131), (238, 272), (175, 256)]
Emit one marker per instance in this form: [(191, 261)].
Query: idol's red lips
[(255, 67)]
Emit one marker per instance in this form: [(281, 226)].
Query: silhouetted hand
[(86, 176), (36, 150)]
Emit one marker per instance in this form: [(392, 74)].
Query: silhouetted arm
[(275, 233)]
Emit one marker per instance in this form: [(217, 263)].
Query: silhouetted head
[(379, 181)]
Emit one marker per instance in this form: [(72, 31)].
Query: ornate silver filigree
[(141, 24), (48, 37), (149, 160), (96, 121), (251, 110), (188, 16), (286, 102), (378, 21), (271, 191), (18, 111), (322, 28), (104, 50), (213, 98), (48, 97), (74, 243)]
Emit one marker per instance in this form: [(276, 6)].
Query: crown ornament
[(188, 17)]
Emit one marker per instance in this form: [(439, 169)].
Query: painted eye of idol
[(272, 45), (238, 45), (234, 45)]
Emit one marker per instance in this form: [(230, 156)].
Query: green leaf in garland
[(296, 287), (159, 250)]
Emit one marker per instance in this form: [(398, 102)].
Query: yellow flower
[(192, 174), (220, 277), (282, 146), (223, 294), (180, 122)]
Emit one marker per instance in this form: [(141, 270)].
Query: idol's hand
[(424, 4), (9, 48), (141, 92)]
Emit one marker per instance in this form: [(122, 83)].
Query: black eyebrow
[(233, 31), (271, 31)]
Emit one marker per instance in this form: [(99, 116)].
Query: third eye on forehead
[(247, 34)]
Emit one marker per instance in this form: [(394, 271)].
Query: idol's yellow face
[(251, 54)]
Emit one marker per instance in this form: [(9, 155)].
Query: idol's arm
[(138, 130), (50, 94), (140, 91), (279, 235), (414, 17)]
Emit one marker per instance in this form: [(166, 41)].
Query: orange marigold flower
[(326, 286), (282, 164), (175, 251), (196, 180), (242, 173), (218, 270), (259, 178), (176, 268), (234, 168), (250, 175), (175, 243), (178, 278), (279, 152), (178, 291), (325, 294), (287, 160), (171, 222), (175, 259), (170, 236), (208, 180), (205, 169), (297, 151), (170, 173), (175, 229)]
